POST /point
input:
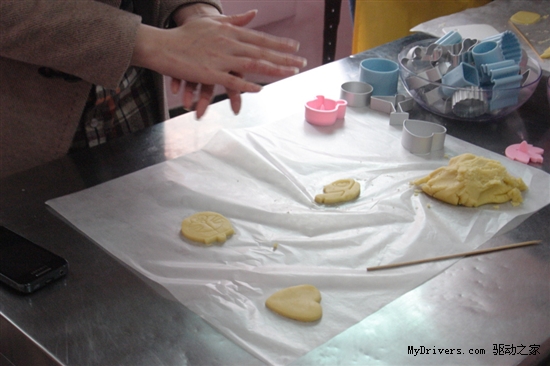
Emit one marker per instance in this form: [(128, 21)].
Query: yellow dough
[(525, 17), (206, 227), (298, 302), (340, 191), (472, 181)]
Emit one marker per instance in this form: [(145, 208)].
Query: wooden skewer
[(465, 254)]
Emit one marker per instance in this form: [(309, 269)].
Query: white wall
[(298, 19)]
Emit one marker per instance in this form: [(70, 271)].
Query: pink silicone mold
[(324, 112)]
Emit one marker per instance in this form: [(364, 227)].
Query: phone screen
[(25, 265)]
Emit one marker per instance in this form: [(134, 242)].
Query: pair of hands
[(207, 48)]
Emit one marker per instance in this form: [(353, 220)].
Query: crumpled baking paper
[(264, 180)]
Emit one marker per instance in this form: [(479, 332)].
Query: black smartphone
[(25, 266)]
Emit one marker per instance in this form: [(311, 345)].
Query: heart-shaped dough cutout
[(298, 302)]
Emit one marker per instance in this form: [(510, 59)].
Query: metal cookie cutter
[(457, 53), (437, 52), (324, 112), (397, 107), (432, 63), (356, 93), (470, 103), (421, 137), (425, 73), (464, 75)]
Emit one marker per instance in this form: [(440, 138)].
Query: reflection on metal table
[(493, 309)]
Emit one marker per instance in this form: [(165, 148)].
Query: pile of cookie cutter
[(359, 94), (475, 76), (419, 137)]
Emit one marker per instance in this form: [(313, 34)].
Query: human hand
[(210, 49), (205, 93)]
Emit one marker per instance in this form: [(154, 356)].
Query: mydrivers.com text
[(422, 350), (497, 349)]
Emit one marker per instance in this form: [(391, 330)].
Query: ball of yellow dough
[(472, 181)]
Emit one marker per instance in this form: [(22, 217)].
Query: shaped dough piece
[(206, 227), (298, 302), (525, 17), (473, 181), (342, 190)]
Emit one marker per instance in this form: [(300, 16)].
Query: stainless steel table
[(103, 313)]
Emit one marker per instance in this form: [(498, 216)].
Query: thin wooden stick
[(465, 254)]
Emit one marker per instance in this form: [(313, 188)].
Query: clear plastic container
[(477, 104)]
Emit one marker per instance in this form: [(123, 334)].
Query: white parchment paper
[(264, 180)]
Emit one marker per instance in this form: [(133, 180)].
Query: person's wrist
[(186, 12), (144, 46)]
